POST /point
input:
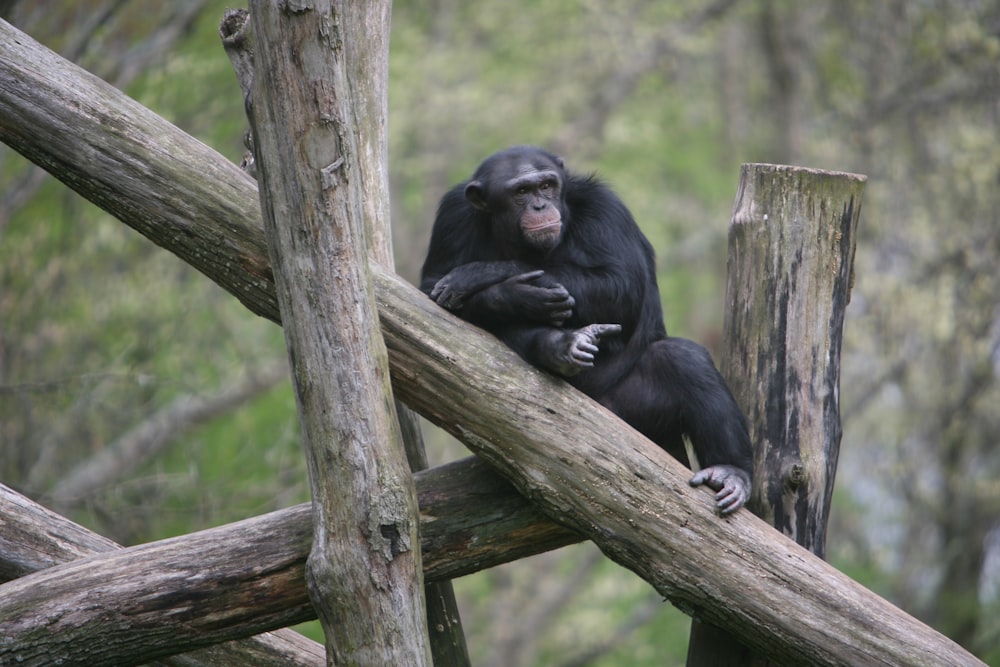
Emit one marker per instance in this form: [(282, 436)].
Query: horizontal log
[(223, 583)]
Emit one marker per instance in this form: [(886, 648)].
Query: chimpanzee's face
[(522, 190)]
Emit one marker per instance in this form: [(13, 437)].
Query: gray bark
[(791, 259), (581, 465), (791, 256), (224, 583), (447, 639), (364, 571)]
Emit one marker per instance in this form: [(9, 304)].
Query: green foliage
[(99, 330)]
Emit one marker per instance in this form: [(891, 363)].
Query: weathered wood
[(32, 538), (791, 259), (471, 519), (589, 470), (128, 606), (447, 639), (371, 77), (580, 464), (364, 569), (791, 252)]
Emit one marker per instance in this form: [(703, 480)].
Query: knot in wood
[(795, 476)]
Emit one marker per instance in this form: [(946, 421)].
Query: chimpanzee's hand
[(571, 351), (537, 297), (490, 289), (732, 485), (529, 297), (446, 295), (451, 291)]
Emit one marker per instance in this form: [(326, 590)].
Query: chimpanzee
[(553, 264)]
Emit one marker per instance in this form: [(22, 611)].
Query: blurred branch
[(984, 243), (929, 89), (534, 616), (863, 398), (619, 83), (168, 32), (147, 439), (640, 616), (80, 39), (125, 68), (783, 52)]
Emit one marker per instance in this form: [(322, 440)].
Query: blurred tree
[(925, 338), (99, 332), (98, 386)]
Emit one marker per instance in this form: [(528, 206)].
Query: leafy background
[(104, 337)]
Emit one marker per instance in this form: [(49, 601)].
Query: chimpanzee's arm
[(493, 293), (457, 285), (564, 352)]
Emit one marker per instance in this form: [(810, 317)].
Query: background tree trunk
[(364, 570), (791, 259)]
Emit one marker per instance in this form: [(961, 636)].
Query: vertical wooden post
[(447, 639), (790, 273), (364, 570)]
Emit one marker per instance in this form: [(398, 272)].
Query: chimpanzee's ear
[(475, 194)]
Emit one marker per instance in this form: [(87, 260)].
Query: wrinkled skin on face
[(528, 202)]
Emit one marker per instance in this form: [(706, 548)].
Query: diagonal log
[(576, 461)]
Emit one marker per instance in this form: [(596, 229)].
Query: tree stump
[(790, 273)]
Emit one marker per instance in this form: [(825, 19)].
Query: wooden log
[(471, 517), (791, 254), (447, 639), (364, 570), (791, 262), (34, 538), (581, 465)]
